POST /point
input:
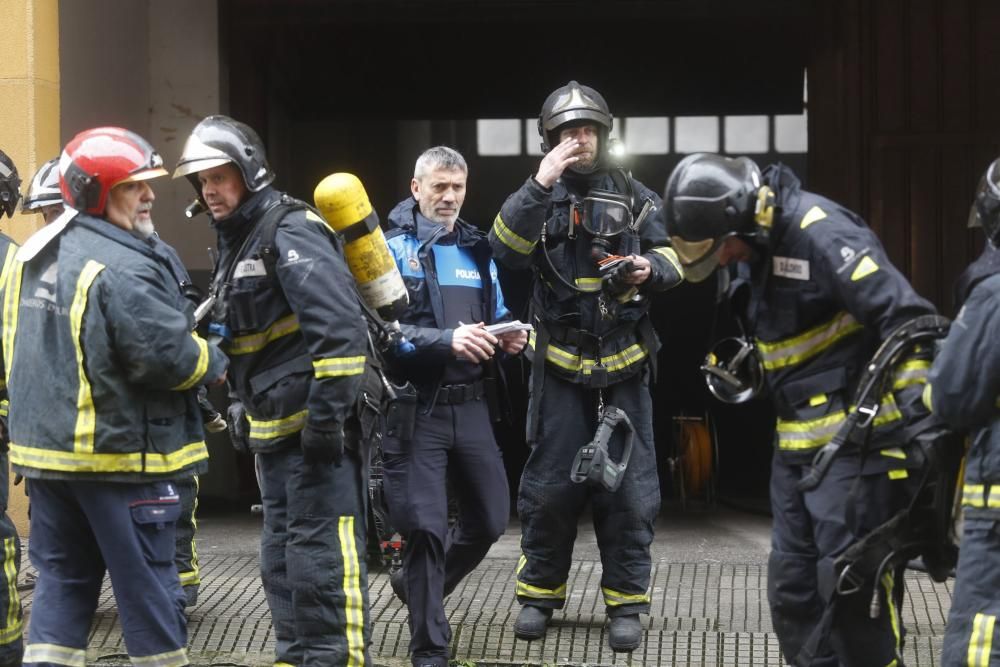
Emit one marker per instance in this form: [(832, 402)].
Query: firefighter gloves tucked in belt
[(239, 427), (322, 445)]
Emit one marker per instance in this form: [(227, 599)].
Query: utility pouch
[(401, 414)]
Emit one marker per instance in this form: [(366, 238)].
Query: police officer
[(11, 645), (100, 359), (823, 295), (963, 386), (43, 194), (297, 342), (596, 242), (453, 293)]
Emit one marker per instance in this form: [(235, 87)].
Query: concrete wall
[(29, 119), (152, 67)]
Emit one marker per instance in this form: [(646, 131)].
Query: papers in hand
[(507, 327)]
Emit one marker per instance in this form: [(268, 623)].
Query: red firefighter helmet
[(97, 160)]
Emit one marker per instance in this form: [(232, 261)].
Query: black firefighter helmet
[(709, 198), (219, 140), (10, 186), (571, 105), (985, 211)]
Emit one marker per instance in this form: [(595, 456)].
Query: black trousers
[(451, 444)]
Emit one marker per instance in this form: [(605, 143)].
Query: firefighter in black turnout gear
[(453, 294), (822, 296), (962, 389), (294, 332), (594, 238), (11, 630)]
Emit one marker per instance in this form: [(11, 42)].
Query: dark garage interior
[(900, 96)]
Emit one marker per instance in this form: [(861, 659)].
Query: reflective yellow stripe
[(151, 462), (888, 582), (613, 598), (200, 368), (338, 366), (86, 415), (521, 562), (974, 495), (894, 453), (910, 373), (819, 399), (354, 602), (4, 407), (865, 268), (283, 664), (898, 474), (576, 363), (588, 284), (256, 342), (12, 627), (12, 296), (55, 654), (791, 351), (981, 641), (8, 263), (810, 433), (671, 256), (529, 591), (509, 238), (277, 428), (815, 214), (176, 658)]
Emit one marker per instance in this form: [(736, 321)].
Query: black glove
[(239, 427), (322, 445)]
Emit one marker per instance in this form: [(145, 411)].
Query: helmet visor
[(698, 258), (605, 214)]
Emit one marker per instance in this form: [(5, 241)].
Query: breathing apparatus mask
[(603, 215), (594, 463)]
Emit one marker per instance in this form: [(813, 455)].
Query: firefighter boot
[(531, 622), (625, 633)]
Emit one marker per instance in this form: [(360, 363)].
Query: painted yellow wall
[(29, 119)]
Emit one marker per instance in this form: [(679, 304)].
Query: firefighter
[(11, 644), (453, 293), (594, 237), (962, 389), (99, 360), (43, 194), (823, 295), (297, 342)]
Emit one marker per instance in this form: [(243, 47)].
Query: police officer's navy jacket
[(515, 238), (299, 340), (824, 297), (100, 357), (411, 238), (963, 389)]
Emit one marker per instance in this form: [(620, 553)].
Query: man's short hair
[(439, 157)]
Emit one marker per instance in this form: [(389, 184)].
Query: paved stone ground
[(709, 604)]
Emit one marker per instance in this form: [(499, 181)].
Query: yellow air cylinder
[(342, 200)]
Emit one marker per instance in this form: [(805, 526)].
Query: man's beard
[(143, 228)]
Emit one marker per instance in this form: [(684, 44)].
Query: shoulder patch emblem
[(814, 214), (866, 267), (293, 255), (789, 267), (847, 254)]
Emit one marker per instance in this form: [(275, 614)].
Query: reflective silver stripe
[(176, 658), (55, 654), (974, 495), (797, 349), (981, 640), (538, 593), (808, 434)]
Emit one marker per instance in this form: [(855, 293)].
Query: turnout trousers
[(451, 443), (11, 622), (809, 531), (81, 529), (971, 634), (312, 557), (186, 557), (549, 503)]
